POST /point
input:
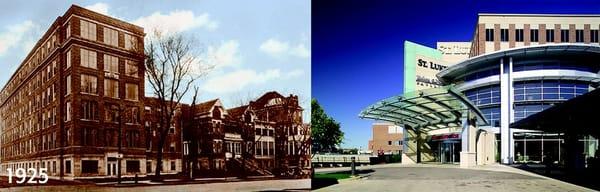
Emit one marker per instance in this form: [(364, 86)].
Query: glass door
[(448, 152)]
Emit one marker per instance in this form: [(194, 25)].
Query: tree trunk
[(159, 156)]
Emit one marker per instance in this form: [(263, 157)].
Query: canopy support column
[(468, 141)]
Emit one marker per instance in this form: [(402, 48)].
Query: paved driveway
[(450, 179)]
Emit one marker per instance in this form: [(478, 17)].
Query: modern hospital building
[(469, 102)]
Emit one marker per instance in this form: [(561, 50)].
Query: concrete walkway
[(448, 178)]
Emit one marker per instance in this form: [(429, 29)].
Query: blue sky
[(358, 46), (256, 46)]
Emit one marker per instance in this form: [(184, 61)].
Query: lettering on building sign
[(445, 136), (431, 65), (424, 81), (454, 49)]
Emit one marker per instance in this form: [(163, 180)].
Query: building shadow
[(585, 177)]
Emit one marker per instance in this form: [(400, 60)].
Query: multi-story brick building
[(172, 148), (495, 32), (60, 109), (387, 139)]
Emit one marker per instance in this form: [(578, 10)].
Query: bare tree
[(172, 65)]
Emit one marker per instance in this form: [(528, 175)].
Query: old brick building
[(80, 91), (61, 107), (172, 148), (265, 137)]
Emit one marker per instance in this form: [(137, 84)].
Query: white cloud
[(237, 80), (176, 21), (300, 51), (14, 35), (99, 7), (294, 73), (280, 49), (225, 55), (274, 47)]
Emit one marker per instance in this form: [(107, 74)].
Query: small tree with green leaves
[(326, 132)]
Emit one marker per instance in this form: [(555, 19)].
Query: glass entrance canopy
[(425, 110)]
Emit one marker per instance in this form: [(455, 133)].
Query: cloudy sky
[(256, 46)]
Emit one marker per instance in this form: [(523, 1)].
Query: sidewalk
[(147, 182)]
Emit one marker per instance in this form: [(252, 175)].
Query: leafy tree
[(326, 132)]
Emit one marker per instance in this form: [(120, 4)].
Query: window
[(111, 113), (133, 115), (564, 35), (68, 83), (89, 166), (111, 88), (88, 59), (489, 34), (503, 34), (172, 147), (172, 165), (484, 95), (111, 63), (579, 35), (68, 167), (549, 35), (534, 35), (88, 136), (89, 110), (68, 118), (594, 36), (148, 166), (132, 138), (111, 36), (131, 68), (130, 42), (89, 84), (68, 58), (519, 35), (131, 91), (67, 139), (68, 30), (133, 166), (88, 30), (172, 129), (389, 142)]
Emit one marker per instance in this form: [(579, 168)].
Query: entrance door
[(111, 168), (447, 152)]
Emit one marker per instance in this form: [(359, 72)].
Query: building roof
[(206, 106), (237, 111), (539, 15), (493, 58)]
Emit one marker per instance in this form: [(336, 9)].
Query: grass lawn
[(338, 176)]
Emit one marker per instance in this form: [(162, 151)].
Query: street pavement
[(449, 178), (265, 185)]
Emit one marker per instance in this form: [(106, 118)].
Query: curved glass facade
[(530, 96), (541, 90)]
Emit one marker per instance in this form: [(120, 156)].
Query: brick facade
[(542, 22), (71, 144)]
